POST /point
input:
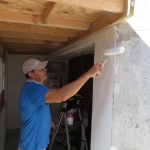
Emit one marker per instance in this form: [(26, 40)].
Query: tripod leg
[(83, 138), (55, 131), (67, 133)]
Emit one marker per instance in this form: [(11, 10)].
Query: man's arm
[(69, 90)]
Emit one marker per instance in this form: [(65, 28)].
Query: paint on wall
[(103, 94)]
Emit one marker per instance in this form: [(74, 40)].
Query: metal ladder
[(63, 114)]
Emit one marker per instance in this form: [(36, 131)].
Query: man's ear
[(31, 75)]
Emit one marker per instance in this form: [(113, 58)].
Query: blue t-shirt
[(35, 117)]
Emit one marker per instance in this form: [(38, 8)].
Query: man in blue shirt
[(34, 100)]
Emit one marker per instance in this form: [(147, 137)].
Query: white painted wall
[(15, 81), (103, 94)]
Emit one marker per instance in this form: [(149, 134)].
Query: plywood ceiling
[(45, 26)]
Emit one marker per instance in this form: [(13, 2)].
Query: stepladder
[(63, 118)]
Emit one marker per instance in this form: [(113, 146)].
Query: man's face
[(39, 75)]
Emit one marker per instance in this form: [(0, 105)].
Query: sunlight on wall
[(140, 22), (114, 148)]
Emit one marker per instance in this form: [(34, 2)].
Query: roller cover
[(113, 51)]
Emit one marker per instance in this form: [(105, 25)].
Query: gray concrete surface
[(131, 106)]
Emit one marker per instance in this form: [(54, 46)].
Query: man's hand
[(96, 70), (53, 125)]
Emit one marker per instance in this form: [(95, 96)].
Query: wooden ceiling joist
[(50, 11), (30, 41), (115, 6), (32, 36), (35, 7), (27, 49), (37, 20), (28, 52), (49, 26), (23, 45), (100, 24), (17, 27)]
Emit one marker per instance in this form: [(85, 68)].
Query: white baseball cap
[(33, 64)]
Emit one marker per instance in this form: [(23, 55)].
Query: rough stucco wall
[(131, 106)]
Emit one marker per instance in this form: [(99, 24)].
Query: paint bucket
[(70, 117)]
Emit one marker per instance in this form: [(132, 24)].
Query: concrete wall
[(131, 105), (15, 80)]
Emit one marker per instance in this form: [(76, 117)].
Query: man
[(34, 100)]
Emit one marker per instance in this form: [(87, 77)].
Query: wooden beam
[(23, 45), (37, 20), (68, 23), (17, 27), (103, 22), (129, 9), (50, 11), (108, 19), (30, 41), (30, 49), (32, 36), (27, 52), (36, 7), (115, 6), (78, 13)]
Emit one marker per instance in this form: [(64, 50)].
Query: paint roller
[(113, 51), (109, 52)]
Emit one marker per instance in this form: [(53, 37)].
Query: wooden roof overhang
[(43, 27)]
